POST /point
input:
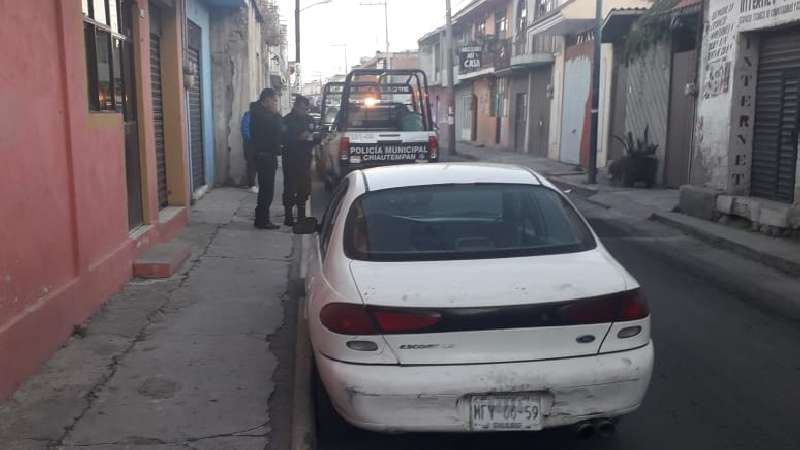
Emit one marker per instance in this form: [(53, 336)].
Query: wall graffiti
[(721, 35)]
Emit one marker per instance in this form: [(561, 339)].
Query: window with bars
[(522, 16), (500, 24), (437, 60), (106, 36)]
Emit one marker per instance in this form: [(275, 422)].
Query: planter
[(631, 170)]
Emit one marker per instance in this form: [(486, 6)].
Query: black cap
[(267, 93), (300, 100)]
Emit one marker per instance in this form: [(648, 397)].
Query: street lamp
[(385, 4), (595, 134), (315, 4)]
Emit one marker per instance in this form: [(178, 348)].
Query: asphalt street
[(726, 371)]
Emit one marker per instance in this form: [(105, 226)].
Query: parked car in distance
[(470, 298)]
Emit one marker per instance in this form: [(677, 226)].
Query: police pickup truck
[(382, 117)]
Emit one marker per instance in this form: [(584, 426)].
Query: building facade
[(652, 89), (199, 96), (246, 42), (748, 119), (111, 127), (87, 178), (483, 51), (432, 60)]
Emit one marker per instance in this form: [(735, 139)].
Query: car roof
[(409, 175)]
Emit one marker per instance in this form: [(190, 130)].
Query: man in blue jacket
[(249, 154)]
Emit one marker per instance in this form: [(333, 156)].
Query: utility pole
[(297, 32), (595, 136), (448, 60), (388, 63), (385, 3)]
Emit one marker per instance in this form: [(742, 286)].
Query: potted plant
[(639, 165)]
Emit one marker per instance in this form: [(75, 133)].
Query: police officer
[(266, 136), (297, 155)]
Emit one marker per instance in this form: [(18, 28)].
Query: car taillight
[(349, 319), (344, 148), (433, 145), (633, 306), (400, 322), (357, 320), (621, 307)]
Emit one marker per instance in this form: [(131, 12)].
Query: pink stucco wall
[(64, 240)]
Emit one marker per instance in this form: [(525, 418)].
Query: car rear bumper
[(436, 398)]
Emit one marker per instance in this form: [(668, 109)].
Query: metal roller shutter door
[(158, 118), (196, 111), (777, 118)]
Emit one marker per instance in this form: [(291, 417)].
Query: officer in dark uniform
[(297, 154), (267, 136)]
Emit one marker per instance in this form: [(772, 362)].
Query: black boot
[(289, 219), (301, 212)]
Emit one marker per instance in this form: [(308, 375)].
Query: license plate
[(505, 413)]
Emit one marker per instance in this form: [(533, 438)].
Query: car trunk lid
[(493, 310)]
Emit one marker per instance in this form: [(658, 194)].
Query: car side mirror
[(306, 225)]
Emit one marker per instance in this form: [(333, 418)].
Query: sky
[(327, 28)]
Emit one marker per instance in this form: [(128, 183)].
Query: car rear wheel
[(330, 425)]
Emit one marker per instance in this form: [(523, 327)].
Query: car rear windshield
[(384, 117), (463, 222)]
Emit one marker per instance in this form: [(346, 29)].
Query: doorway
[(540, 113), (777, 118), (195, 99), (133, 165), (157, 95), (681, 108)]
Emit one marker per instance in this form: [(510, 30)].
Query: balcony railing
[(544, 7), (502, 54), (521, 44), (545, 43)]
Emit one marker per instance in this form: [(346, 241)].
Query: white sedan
[(470, 298)]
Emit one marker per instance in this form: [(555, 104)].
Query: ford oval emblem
[(585, 339)]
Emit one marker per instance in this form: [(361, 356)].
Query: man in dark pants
[(297, 156), (267, 136)]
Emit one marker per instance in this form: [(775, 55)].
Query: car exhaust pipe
[(584, 430), (605, 428)]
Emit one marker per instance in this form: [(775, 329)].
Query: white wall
[(722, 88), (605, 106)]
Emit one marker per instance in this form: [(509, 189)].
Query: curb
[(581, 190), (303, 435), (763, 296), (303, 425), (788, 267)]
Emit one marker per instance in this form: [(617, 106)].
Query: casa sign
[(470, 58)]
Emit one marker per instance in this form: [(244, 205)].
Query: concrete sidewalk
[(654, 204), (186, 362), (640, 202)]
